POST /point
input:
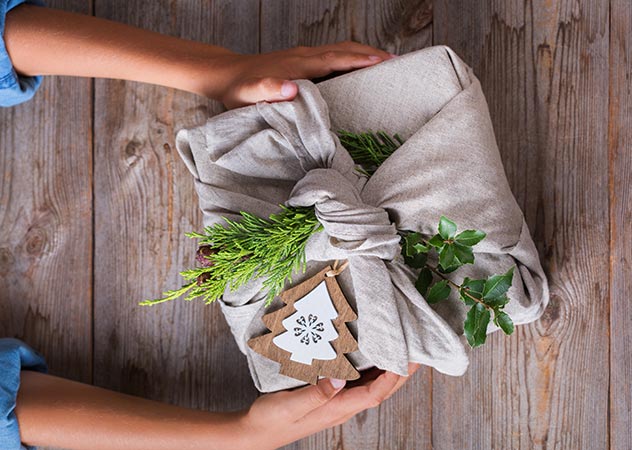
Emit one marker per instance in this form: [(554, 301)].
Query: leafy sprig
[(233, 254), (369, 150), (453, 250)]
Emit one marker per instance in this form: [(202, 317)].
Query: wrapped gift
[(256, 158)]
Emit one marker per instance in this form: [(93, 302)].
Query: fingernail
[(375, 58), (287, 89), (393, 55), (336, 383)]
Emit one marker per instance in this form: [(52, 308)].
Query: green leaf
[(498, 302), (447, 228), (472, 287), (421, 247), (436, 241), (466, 299), (475, 326), (446, 256), (417, 261), (504, 322), (423, 281), (439, 291), (413, 244), (497, 285), (450, 269), (463, 253), (470, 237), (409, 244)]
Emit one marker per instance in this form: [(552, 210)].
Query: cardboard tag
[(309, 336)]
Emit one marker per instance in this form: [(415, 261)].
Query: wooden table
[(94, 202)]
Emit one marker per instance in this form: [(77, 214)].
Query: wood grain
[(397, 26), (542, 67), (620, 144), (404, 421), (182, 352), (339, 367), (46, 222), (554, 72)]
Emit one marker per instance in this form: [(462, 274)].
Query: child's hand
[(253, 78), (277, 419), (81, 45), (55, 412)]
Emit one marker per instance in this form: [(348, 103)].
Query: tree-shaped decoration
[(310, 328), (309, 337)]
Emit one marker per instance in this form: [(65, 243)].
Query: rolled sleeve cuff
[(15, 356), (14, 89)]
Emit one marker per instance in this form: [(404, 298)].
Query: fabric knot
[(353, 228)]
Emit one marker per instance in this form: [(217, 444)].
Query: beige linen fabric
[(255, 158)]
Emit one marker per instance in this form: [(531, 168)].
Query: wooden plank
[(620, 224), (542, 65), (404, 421), (46, 222), (181, 352), (395, 26)]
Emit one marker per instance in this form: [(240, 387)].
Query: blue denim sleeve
[(15, 356), (14, 89)]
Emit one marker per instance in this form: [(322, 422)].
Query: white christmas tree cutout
[(308, 336), (310, 328)]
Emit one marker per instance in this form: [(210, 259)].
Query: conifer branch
[(251, 248)]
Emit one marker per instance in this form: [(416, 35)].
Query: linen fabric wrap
[(258, 157)]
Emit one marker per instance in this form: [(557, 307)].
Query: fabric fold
[(257, 158)]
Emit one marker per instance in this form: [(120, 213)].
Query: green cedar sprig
[(453, 250), (247, 249), (369, 150), (273, 248)]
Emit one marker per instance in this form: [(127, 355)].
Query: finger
[(370, 395), (261, 89), (349, 402), (412, 368), (349, 46), (352, 46), (324, 63), (365, 376), (302, 401)]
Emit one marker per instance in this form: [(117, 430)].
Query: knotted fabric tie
[(353, 228)]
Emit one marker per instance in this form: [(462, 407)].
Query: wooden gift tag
[(309, 337)]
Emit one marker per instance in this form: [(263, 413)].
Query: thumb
[(304, 400), (255, 90)]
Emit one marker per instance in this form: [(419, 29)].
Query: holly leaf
[(497, 285), (436, 241), (439, 291), (470, 237), (504, 322), (472, 287), (463, 253), (447, 228), (421, 247), (498, 302), (447, 257), (409, 244), (417, 261), (466, 299), (452, 256), (423, 281), (475, 326), (450, 269)]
